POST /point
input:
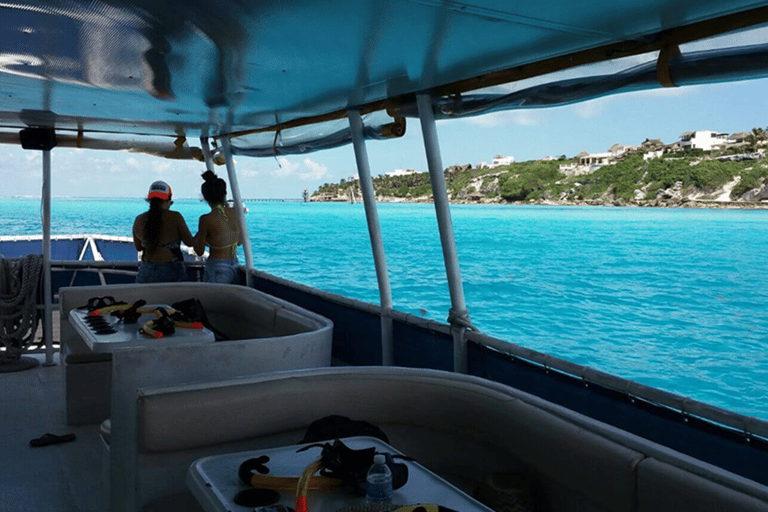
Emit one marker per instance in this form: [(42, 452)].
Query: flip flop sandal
[(48, 439)]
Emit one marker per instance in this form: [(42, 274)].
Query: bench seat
[(468, 430)]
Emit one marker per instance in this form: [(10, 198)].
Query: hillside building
[(497, 161), (400, 172), (597, 159), (703, 139), (738, 139)]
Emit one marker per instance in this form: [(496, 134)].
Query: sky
[(591, 126)]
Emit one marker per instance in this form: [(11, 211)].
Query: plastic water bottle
[(378, 487)]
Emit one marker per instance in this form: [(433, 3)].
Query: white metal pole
[(374, 231), (206, 148), (206, 153), (239, 209), (445, 225), (48, 307)]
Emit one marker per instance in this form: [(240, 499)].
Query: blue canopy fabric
[(280, 76)]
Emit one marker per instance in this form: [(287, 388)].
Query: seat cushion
[(662, 487)]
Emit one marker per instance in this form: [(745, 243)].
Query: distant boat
[(232, 204)]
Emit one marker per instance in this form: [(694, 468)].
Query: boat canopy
[(280, 77)]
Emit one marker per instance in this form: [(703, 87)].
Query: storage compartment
[(252, 322)]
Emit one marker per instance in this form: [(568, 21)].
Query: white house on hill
[(609, 157), (703, 139), (400, 172), (497, 161), (597, 159)]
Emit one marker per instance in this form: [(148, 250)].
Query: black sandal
[(48, 439)]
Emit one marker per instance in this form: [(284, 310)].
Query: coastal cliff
[(722, 179)]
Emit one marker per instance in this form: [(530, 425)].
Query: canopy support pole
[(374, 231), (47, 300), (206, 148), (239, 209), (458, 317), (206, 153)]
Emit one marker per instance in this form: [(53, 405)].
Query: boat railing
[(100, 268), (634, 391), (72, 247), (683, 408)]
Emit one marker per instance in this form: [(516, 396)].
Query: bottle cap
[(379, 459)]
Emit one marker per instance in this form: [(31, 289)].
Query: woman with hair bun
[(219, 230), (157, 234)]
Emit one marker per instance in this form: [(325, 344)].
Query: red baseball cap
[(160, 190)]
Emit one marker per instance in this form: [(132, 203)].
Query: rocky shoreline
[(655, 203)]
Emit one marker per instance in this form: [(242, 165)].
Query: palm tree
[(755, 138)]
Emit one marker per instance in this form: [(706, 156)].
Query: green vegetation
[(755, 137), (400, 186), (750, 178), (527, 180), (631, 178), (688, 172), (621, 179)]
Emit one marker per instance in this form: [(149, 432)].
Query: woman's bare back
[(173, 230), (220, 231)]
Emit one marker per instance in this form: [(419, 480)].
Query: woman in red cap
[(158, 234)]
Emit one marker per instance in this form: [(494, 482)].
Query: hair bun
[(209, 176)]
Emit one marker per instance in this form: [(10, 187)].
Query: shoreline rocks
[(663, 200)]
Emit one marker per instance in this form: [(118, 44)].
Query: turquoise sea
[(672, 298)]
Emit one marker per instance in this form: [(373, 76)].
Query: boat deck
[(64, 477)]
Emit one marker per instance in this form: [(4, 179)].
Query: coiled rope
[(19, 316), (460, 319)]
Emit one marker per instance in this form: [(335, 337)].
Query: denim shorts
[(150, 272), (220, 270)]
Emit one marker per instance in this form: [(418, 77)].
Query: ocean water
[(672, 298)]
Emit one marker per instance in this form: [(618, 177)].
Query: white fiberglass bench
[(263, 333), (461, 427)]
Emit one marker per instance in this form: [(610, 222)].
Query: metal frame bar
[(206, 153), (374, 231), (46, 220), (445, 226), (239, 209)]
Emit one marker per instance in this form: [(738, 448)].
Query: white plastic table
[(214, 482), (128, 335)]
